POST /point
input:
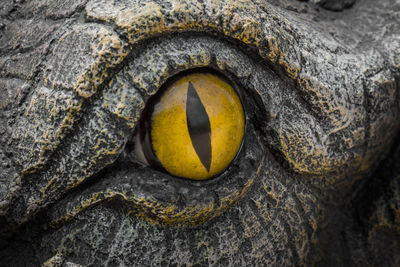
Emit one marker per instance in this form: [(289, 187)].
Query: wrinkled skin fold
[(316, 182)]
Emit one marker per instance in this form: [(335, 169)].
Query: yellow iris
[(197, 126)]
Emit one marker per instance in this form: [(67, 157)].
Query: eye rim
[(144, 124), (191, 202), (156, 200)]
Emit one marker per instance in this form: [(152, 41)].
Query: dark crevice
[(375, 187)]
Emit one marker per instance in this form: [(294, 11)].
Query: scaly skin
[(317, 179)]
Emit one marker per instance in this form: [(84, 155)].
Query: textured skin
[(316, 181)]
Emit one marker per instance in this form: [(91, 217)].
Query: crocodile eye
[(194, 126)]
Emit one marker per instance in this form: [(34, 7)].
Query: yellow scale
[(171, 140)]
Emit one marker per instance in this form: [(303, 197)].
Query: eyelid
[(156, 196), (147, 71)]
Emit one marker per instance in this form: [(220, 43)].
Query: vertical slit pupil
[(199, 127)]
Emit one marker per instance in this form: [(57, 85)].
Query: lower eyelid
[(155, 196)]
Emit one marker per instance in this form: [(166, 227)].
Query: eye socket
[(193, 127), (122, 113)]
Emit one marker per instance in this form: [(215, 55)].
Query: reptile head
[(320, 96)]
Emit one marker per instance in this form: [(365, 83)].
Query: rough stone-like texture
[(334, 5), (317, 179)]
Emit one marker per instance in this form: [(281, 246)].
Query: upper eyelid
[(152, 67)]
